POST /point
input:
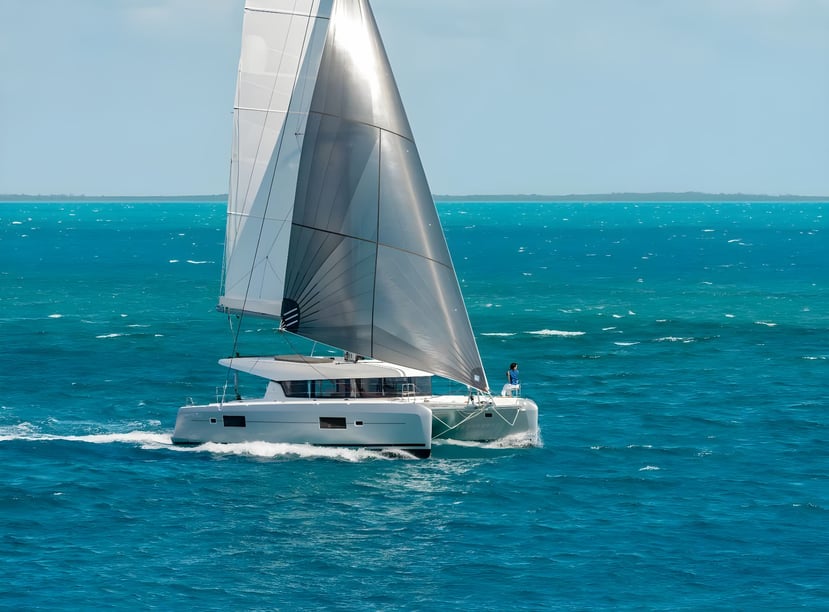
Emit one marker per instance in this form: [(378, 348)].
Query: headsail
[(282, 41), (368, 266)]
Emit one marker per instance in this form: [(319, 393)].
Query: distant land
[(687, 196), (18, 197)]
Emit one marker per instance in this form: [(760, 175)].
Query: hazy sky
[(134, 97)]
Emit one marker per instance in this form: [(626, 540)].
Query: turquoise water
[(679, 354)]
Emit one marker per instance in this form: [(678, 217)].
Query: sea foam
[(556, 332)]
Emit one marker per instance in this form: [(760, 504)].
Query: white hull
[(453, 417), (407, 425), (373, 424), (328, 401)]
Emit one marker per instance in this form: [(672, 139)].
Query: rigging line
[(449, 428), (376, 233), (278, 149), (269, 110), (279, 143), (311, 364)]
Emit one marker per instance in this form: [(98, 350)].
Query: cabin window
[(340, 388), (333, 388), (407, 385), (232, 420), (358, 387), (332, 422)]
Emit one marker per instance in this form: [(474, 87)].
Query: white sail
[(282, 41)]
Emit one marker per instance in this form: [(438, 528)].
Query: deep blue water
[(679, 354)]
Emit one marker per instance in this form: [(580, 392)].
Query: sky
[(134, 97)]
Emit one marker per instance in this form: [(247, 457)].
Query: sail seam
[(409, 137), (252, 109), (251, 9), (370, 241)]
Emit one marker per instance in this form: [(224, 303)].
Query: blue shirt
[(513, 376)]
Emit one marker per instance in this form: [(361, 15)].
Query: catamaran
[(332, 231)]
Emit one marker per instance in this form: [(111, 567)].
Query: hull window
[(231, 420), (332, 422)]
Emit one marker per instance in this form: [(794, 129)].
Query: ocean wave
[(650, 468), (151, 440), (675, 339), (277, 450), (499, 334), (556, 332), (626, 343), (766, 323), (519, 440), (130, 335), (28, 432)]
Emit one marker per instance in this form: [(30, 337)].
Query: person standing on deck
[(513, 385)]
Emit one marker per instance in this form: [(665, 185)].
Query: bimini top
[(296, 367)]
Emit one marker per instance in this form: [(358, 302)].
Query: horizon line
[(629, 196)]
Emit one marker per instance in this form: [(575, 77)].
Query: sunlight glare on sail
[(363, 57)]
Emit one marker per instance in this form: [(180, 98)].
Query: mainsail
[(282, 41), (366, 267)]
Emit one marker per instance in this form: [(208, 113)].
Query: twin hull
[(407, 425)]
